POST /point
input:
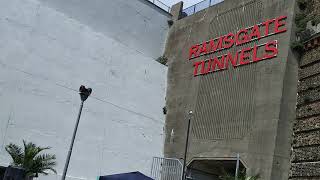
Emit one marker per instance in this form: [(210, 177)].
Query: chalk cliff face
[(48, 48), (248, 109)]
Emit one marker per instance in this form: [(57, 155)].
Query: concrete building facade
[(48, 48), (230, 63), (244, 108)]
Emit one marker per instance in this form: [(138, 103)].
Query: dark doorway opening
[(212, 169)]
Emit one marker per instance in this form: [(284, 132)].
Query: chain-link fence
[(166, 169), (200, 6)]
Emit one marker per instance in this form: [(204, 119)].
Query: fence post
[(237, 166)]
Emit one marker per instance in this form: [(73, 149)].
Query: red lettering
[(244, 56), (255, 58), (228, 40), (204, 69), (214, 47), (196, 67), (272, 48), (203, 49), (267, 25), (233, 60), (193, 51), (255, 32), (217, 62), (279, 24), (241, 40)]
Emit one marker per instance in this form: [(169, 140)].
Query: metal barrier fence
[(161, 5), (166, 169), (200, 6)]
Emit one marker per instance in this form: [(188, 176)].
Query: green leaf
[(30, 158)]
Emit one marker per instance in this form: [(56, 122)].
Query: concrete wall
[(246, 110), (49, 48)]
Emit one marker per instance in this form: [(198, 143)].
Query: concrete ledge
[(306, 124), (306, 154), (309, 83), (309, 96), (309, 71), (307, 139), (308, 110), (305, 170), (310, 56)]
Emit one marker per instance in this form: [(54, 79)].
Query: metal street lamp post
[(84, 94), (186, 148)]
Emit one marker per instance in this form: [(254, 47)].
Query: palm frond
[(16, 154), (31, 160), (241, 176), (256, 177)]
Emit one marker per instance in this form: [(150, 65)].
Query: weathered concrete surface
[(247, 110), (49, 48), (138, 24)]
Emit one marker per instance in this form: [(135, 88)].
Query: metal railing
[(166, 169), (161, 5), (199, 6)]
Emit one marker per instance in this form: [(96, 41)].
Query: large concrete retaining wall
[(247, 110), (49, 48)]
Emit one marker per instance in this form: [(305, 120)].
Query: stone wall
[(306, 142), (305, 158)]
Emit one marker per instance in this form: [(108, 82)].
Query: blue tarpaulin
[(126, 176)]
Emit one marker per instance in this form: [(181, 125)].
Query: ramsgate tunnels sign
[(244, 56)]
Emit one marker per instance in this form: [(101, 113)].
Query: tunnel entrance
[(212, 169)]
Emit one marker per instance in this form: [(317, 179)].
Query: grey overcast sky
[(186, 3)]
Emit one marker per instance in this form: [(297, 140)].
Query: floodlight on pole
[(186, 147), (84, 94)]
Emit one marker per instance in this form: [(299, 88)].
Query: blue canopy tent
[(126, 176)]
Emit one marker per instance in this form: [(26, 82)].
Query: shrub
[(302, 4), (297, 46), (162, 59)]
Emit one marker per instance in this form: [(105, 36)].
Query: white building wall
[(48, 49)]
